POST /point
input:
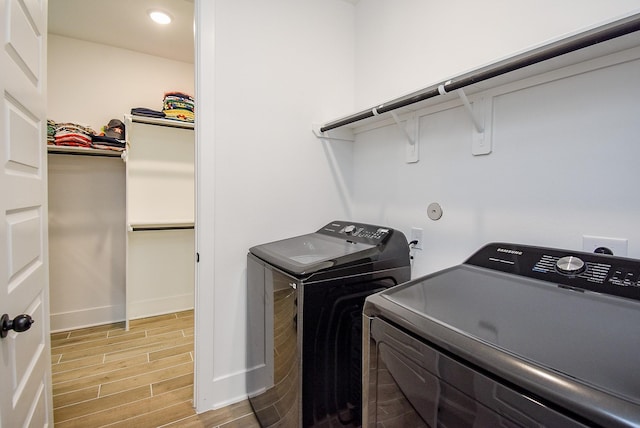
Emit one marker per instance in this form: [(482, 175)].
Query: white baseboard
[(90, 317), (160, 306), (86, 318)]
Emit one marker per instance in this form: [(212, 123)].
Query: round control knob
[(349, 229), (570, 265)]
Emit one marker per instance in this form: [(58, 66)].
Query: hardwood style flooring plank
[(238, 414), (104, 376), (59, 367), (78, 396), (149, 378)]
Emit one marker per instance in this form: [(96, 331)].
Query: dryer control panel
[(576, 270), (357, 232)]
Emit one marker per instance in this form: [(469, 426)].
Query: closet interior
[(121, 206), (121, 226)]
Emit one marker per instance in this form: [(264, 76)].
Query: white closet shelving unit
[(160, 206), (122, 241)]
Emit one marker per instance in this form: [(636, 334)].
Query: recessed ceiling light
[(160, 17)]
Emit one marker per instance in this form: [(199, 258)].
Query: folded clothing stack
[(111, 137), (179, 106), (107, 143), (147, 112), (51, 132), (72, 134)]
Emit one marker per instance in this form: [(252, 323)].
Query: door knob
[(18, 324)]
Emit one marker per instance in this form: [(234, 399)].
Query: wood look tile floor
[(105, 376)]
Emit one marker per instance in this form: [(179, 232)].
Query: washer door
[(305, 254)]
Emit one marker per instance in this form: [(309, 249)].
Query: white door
[(25, 373)]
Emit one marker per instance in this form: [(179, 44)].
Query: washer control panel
[(601, 273), (357, 232)]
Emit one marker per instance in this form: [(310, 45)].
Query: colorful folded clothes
[(179, 106), (51, 131), (179, 114), (72, 134)]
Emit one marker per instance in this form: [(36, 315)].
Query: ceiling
[(126, 24)]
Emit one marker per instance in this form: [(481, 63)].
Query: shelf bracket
[(409, 137), (483, 130), (481, 114), (467, 105), (410, 131), (345, 135)]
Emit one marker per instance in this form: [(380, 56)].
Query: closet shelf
[(162, 122), (166, 225), (83, 151), (597, 42)]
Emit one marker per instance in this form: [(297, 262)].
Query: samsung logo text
[(504, 250)]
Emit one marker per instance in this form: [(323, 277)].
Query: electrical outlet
[(617, 245), (416, 235)]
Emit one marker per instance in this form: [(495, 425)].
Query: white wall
[(266, 72), (86, 240), (563, 165), (406, 45), (90, 83), (563, 161)]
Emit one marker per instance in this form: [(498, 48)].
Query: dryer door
[(413, 384)]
